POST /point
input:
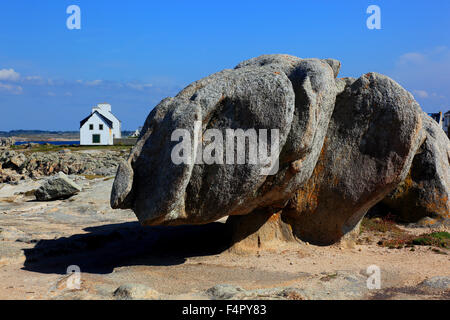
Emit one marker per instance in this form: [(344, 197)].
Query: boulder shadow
[(104, 248)]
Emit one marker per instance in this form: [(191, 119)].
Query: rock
[(438, 282), (295, 96), (259, 230), (18, 160), (13, 160), (344, 145), (431, 223), (37, 164), (335, 65), (7, 142), (343, 83), (9, 172), (373, 135), (223, 291), (339, 285), (135, 292), (57, 187), (105, 171), (426, 190), (230, 292)]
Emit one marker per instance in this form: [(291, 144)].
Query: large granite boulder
[(343, 145), (426, 190), (57, 187), (373, 135)]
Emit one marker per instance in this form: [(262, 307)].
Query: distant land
[(42, 135)]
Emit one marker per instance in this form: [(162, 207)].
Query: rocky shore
[(29, 164), (344, 145)]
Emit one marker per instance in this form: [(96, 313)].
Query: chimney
[(104, 107)]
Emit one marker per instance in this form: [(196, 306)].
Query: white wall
[(105, 110), (106, 135)]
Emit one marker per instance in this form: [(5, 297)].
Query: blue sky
[(134, 53)]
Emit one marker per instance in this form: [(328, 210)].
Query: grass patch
[(382, 225), (329, 277), (434, 239), (440, 235)]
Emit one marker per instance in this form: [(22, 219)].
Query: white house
[(136, 133), (100, 127), (447, 123)]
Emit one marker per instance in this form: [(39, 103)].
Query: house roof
[(108, 122)]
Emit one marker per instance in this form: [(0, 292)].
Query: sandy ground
[(39, 241)]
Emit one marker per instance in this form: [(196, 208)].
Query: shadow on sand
[(106, 247)]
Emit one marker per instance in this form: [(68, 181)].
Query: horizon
[(133, 55)]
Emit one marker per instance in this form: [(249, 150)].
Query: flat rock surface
[(40, 240)]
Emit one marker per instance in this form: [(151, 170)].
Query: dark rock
[(57, 187), (439, 282)]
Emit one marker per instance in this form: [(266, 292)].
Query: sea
[(58, 143)]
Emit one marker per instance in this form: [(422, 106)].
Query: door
[(95, 138)]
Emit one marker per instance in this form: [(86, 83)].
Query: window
[(100, 127), (95, 138), (91, 127)]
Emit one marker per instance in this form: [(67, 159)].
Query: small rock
[(57, 187), (438, 282), (18, 160), (223, 291), (135, 292)]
